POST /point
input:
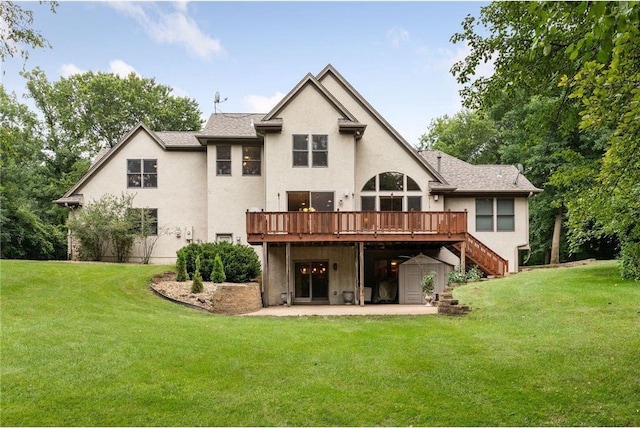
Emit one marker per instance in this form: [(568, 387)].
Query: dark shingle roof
[(479, 178), (236, 125)]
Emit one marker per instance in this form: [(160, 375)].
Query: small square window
[(142, 173)]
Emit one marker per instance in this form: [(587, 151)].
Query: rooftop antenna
[(520, 171), (216, 101)]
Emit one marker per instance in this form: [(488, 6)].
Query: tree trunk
[(555, 243)]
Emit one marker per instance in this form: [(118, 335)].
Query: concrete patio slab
[(342, 310)]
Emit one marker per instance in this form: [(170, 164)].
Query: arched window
[(391, 191)]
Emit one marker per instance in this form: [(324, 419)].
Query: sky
[(396, 54)]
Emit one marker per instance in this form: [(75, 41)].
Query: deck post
[(361, 268), (288, 271), (463, 256), (265, 275)]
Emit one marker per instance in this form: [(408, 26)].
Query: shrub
[(474, 273), (197, 286), (240, 262), (181, 268), (630, 260), (456, 276), (217, 275)]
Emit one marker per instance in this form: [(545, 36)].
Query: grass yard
[(89, 344)]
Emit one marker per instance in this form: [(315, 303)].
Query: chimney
[(439, 161)]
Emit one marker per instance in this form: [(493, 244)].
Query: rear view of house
[(332, 198)]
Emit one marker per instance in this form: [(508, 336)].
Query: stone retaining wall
[(236, 299)]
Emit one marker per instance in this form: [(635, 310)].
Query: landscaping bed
[(224, 298)]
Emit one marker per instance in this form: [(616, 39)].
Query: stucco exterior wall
[(341, 279), (378, 151), (180, 196), (307, 114), (504, 243), (229, 197)]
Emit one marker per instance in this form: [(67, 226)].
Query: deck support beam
[(463, 256), (265, 274), (288, 272), (361, 273)]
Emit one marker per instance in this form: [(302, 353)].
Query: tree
[(25, 231), (89, 111), (16, 30), (585, 56), (197, 286), (468, 135)]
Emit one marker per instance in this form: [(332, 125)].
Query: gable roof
[(71, 198), (469, 178), (347, 123), (330, 70)]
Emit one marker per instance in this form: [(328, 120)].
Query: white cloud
[(179, 92), (69, 70), (260, 103), (175, 27), (121, 68), (397, 35)]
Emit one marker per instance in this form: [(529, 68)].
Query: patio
[(341, 310)]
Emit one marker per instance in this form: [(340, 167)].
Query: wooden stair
[(478, 253)]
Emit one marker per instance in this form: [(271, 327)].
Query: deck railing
[(486, 259), (338, 223)]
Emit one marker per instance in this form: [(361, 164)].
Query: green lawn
[(89, 344)]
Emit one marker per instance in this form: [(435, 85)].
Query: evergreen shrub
[(240, 262), (197, 286)]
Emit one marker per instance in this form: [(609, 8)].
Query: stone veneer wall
[(236, 299)]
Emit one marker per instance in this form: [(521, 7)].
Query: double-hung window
[(142, 173), (505, 220), (320, 151), (223, 160), (484, 215), (251, 160), (300, 150)]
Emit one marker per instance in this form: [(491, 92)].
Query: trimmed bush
[(240, 262)]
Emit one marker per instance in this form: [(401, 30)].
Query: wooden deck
[(446, 227), (356, 226)]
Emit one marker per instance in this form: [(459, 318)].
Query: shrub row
[(240, 262)]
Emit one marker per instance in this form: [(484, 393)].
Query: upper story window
[(142, 173), (391, 181), (300, 150), (223, 160), (505, 220), (394, 191), (484, 215), (504, 214), (319, 150), (251, 160)]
